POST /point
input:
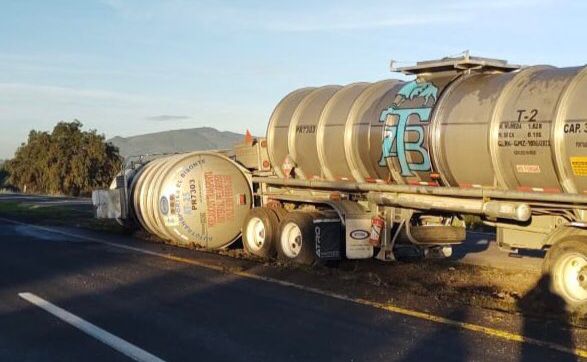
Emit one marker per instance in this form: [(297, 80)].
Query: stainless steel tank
[(277, 144), (520, 130), (302, 132), (330, 132), (198, 199), (524, 131), (365, 131), (333, 132)]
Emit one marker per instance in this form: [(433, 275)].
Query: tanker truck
[(373, 170)]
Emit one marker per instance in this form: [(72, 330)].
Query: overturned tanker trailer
[(193, 199), (378, 169)]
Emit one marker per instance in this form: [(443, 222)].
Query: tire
[(280, 212), (438, 234), (296, 242), (565, 266), (260, 232)]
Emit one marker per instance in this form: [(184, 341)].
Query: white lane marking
[(119, 344)]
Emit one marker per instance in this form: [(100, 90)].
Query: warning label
[(579, 165), (219, 198), (528, 168)]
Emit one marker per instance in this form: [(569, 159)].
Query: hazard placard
[(579, 165)]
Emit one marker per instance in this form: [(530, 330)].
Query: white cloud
[(21, 91), (63, 64), (369, 22), (481, 5), (168, 117)]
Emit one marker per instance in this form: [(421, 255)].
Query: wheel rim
[(571, 273), (255, 234), (291, 240)]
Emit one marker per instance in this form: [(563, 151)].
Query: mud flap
[(328, 236)]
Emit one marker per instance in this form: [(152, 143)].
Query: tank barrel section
[(520, 131), (196, 199), (463, 123)]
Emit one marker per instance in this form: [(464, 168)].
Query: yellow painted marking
[(579, 165), (493, 332)]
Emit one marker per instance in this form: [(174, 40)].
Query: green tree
[(66, 161), (3, 175)]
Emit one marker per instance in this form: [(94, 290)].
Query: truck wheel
[(566, 264), (438, 234), (296, 238), (279, 211), (260, 232)]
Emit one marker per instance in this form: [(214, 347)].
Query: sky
[(140, 66)]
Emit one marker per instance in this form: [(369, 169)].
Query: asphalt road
[(179, 312)]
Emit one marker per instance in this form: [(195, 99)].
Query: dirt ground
[(447, 283)]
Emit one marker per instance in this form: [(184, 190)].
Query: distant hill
[(183, 140)]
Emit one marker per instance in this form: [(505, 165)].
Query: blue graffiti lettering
[(415, 89), (397, 134)]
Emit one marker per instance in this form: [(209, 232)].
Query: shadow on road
[(558, 331), (475, 243), (554, 327), (446, 341)]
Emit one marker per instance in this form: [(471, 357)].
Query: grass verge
[(58, 215)]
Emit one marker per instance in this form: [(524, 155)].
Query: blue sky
[(134, 67)]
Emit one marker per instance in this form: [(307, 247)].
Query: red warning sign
[(219, 199)]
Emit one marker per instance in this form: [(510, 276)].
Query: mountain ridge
[(176, 141)]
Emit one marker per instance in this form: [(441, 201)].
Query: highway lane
[(181, 312)]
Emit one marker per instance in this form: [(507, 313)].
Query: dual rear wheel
[(296, 238), (274, 232), (260, 230)]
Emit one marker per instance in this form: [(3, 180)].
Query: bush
[(67, 161)]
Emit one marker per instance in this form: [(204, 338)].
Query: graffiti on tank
[(395, 141)]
